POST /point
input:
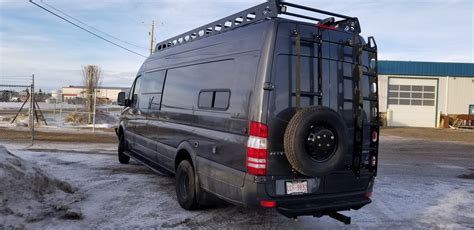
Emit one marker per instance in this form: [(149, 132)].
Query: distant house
[(110, 93)]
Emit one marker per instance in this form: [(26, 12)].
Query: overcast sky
[(34, 41)]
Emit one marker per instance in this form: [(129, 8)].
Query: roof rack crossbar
[(301, 16), (268, 10), (315, 10)]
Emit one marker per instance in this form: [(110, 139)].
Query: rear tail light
[(375, 136), (257, 149), (258, 129), (268, 204)]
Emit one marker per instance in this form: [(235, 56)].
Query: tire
[(315, 141), (122, 146), (185, 186)]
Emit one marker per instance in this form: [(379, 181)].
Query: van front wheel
[(185, 186), (123, 158)]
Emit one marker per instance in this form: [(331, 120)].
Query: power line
[(82, 28), (92, 27)]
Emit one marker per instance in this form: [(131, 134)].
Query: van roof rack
[(268, 10)]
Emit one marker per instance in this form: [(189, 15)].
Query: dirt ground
[(105, 136), (108, 135), (461, 135)]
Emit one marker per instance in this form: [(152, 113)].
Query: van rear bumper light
[(268, 203)]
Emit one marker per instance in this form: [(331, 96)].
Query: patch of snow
[(28, 193)]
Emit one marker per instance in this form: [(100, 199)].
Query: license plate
[(296, 187)]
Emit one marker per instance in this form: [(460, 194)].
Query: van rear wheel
[(185, 186), (315, 141)]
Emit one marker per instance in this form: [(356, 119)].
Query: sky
[(33, 41)]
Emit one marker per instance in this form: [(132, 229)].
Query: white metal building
[(416, 94), (102, 92)]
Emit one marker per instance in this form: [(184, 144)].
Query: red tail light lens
[(268, 204), (256, 162), (375, 136), (258, 129)]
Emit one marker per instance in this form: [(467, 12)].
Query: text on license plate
[(296, 187)]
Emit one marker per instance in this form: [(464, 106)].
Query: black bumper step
[(322, 208)]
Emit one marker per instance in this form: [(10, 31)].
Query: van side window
[(217, 99), (134, 92), (205, 99), (151, 90)]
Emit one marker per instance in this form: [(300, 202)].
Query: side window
[(221, 100), (134, 92), (205, 99), (217, 99), (151, 90)]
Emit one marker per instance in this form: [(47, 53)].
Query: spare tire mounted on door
[(316, 140)]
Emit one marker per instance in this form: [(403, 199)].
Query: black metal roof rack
[(268, 10)]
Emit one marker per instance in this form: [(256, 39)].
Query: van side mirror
[(121, 100)]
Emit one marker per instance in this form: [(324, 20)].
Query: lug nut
[(332, 137), (319, 137)]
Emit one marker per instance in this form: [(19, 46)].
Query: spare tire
[(316, 140)]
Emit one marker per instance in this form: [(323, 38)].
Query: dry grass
[(9, 134), (466, 136), (76, 118)]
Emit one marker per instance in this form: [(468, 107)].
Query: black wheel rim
[(184, 185), (321, 143)]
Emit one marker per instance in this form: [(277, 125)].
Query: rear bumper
[(321, 206), (305, 205)]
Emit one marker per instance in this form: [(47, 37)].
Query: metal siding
[(383, 83), (426, 68), (460, 95)]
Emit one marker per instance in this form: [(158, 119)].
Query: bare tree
[(91, 78)]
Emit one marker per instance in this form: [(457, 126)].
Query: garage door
[(412, 102)]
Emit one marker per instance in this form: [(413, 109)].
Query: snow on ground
[(416, 188), (29, 194)]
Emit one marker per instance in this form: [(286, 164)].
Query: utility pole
[(152, 36)]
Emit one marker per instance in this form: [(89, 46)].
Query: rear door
[(328, 64)]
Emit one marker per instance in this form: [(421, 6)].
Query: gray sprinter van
[(271, 107)]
